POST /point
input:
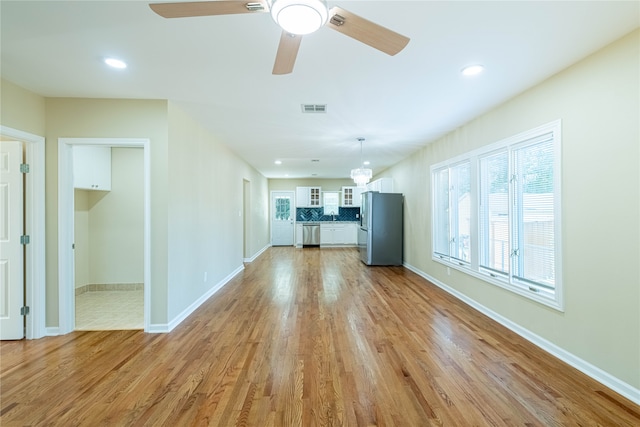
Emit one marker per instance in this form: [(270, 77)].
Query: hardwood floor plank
[(306, 338)]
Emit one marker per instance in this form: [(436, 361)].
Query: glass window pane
[(441, 212), (283, 208), (535, 255), (494, 212), (460, 200)]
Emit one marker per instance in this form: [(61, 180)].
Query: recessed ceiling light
[(115, 63), (278, 162), (366, 162), (472, 70)]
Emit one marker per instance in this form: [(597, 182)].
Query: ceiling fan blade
[(367, 32), (208, 8), (287, 52)]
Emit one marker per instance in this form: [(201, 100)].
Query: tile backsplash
[(316, 214)]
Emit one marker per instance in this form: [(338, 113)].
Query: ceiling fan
[(296, 18)]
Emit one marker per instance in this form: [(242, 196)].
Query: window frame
[(551, 297)]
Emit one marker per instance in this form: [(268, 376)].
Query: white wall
[(598, 102), (109, 118)]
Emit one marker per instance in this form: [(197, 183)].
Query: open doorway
[(109, 238), (246, 215), (104, 236)]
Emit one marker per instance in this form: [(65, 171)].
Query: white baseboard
[(52, 331), (583, 366), (168, 327), (253, 258)]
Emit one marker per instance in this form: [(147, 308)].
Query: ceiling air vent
[(314, 108)]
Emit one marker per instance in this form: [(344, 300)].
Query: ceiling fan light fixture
[(472, 70), (299, 17)]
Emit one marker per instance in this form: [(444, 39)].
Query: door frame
[(66, 259), (272, 212), (34, 199)]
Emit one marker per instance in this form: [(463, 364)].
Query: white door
[(11, 228), (282, 216)]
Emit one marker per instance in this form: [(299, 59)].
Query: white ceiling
[(218, 69)]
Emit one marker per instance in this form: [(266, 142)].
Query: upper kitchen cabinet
[(351, 197), (382, 185), (308, 197), (92, 167)]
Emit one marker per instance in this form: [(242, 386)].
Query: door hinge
[(24, 240), (24, 310), (24, 168)]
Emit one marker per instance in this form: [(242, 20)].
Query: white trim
[(603, 377), (253, 258), (52, 331), (35, 224), (551, 298), (272, 209), (66, 291), (168, 327)]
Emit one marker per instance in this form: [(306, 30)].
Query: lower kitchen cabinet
[(336, 234), (299, 235)]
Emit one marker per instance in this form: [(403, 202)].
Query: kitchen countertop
[(326, 222)]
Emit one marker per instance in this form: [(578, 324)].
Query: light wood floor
[(306, 337)]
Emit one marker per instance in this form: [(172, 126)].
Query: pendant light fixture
[(361, 175)]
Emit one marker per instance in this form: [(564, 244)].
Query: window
[(283, 208), (453, 214), (331, 203), (496, 213), (495, 247)]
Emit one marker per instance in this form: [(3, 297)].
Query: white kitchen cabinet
[(331, 234), (338, 234), (308, 197), (298, 235), (351, 234), (382, 185), (92, 167), (351, 196)]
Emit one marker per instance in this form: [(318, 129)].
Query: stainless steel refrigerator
[(380, 233)]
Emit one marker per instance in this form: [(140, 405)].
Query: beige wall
[(599, 104), (110, 118), (205, 211), (326, 184), (21, 109), (204, 178), (109, 225)]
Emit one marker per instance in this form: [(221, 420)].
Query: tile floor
[(109, 310)]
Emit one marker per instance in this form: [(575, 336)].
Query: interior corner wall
[(598, 102), (205, 191), (21, 109), (110, 118)]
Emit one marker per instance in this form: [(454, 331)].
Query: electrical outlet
[(205, 276), (448, 271)]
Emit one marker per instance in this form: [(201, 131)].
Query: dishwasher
[(310, 235)]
